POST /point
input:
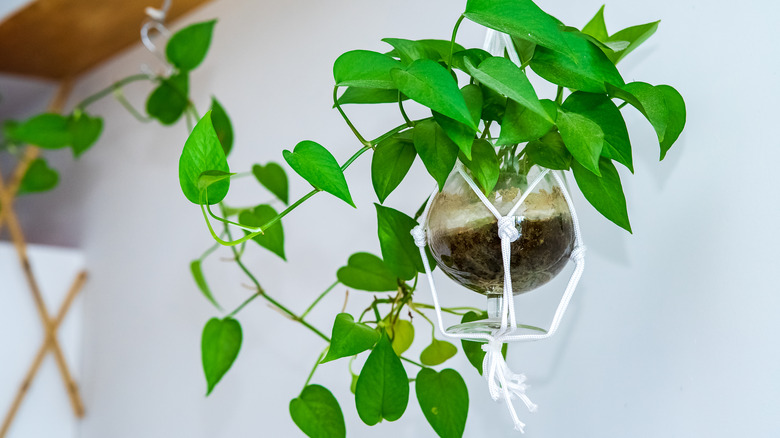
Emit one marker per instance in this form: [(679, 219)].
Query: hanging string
[(502, 382)]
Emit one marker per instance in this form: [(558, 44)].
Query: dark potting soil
[(472, 256)]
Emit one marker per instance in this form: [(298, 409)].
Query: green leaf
[(604, 193), (549, 151), (503, 76), (587, 71), (369, 96), (202, 152), (273, 178), (84, 131), (200, 280), (367, 272), (410, 51), (430, 84), (318, 414), (402, 335), (473, 350), (634, 36), (170, 99), (596, 27), (188, 47), (444, 400), (393, 157), (222, 126), (525, 49), (463, 135), (519, 18), (382, 390), (601, 110), (484, 165), (664, 108), (436, 150), (48, 131), (583, 138), (349, 338), (399, 252), (475, 56), (39, 177), (437, 353), (272, 238), (317, 166), (220, 344), (365, 69), (493, 105), (521, 124), (442, 47), (211, 177)]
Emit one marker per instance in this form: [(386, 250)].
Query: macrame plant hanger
[(502, 382)]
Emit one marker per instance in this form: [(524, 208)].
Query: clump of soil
[(471, 255)]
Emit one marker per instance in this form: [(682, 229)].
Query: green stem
[(209, 251), (322, 295), (403, 113), (622, 105), (119, 95), (110, 89), (346, 119), (413, 362), (316, 364), (452, 42), (559, 95)]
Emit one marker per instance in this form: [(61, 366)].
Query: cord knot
[(418, 234), (507, 228), (578, 253)]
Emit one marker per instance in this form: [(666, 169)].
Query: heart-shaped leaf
[(521, 124), (368, 272), (503, 76), (444, 400), (463, 135), (317, 166), (428, 83), (220, 344), (222, 126), (398, 249), (583, 138), (349, 338), (437, 151), (596, 27), (437, 353), (318, 414), (84, 131), (605, 193), (601, 110), (369, 95), (272, 238), (634, 36), (188, 47), (393, 157), (410, 51), (402, 335), (364, 69), (202, 152), (197, 273), (382, 390), (48, 131), (549, 151), (170, 99), (273, 177), (475, 56), (484, 165), (39, 177), (664, 108)]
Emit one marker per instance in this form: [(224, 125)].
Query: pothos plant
[(79, 130), (486, 114)]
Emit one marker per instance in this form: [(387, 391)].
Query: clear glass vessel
[(463, 237)]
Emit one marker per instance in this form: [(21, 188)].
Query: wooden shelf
[(57, 39)]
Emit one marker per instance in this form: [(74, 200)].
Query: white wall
[(670, 334)]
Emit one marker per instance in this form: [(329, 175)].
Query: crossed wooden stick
[(8, 217)]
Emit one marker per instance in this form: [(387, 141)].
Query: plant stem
[(403, 113), (559, 95), (412, 362), (322, 295), (108, 90), (120, 97), (346, 119), (622, 105), (316, 364), (452, 41)]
